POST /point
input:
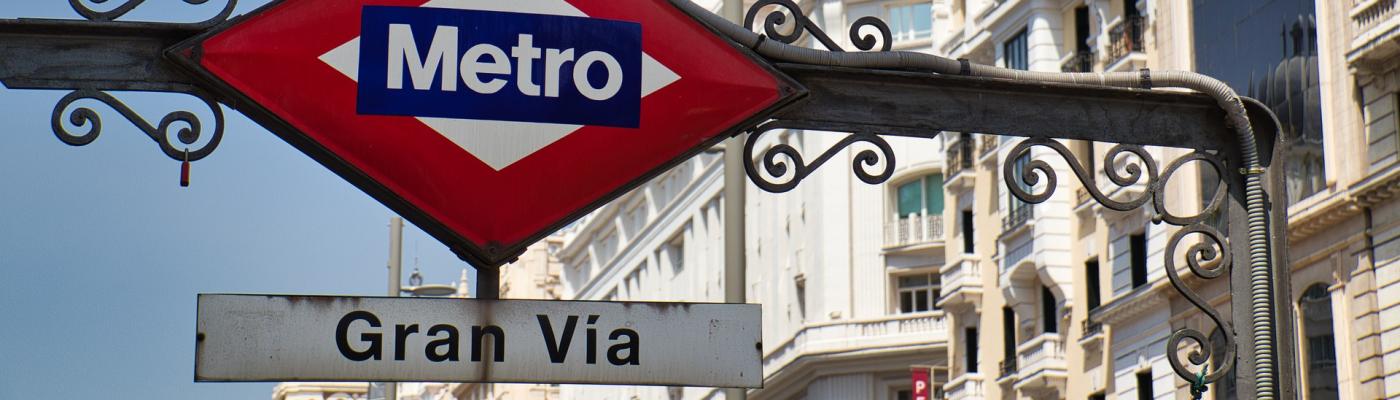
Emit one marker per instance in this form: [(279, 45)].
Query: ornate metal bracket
[(1207, 259), (776, 19), (183, 127), (83, 9), (783, 168), (777, 158)]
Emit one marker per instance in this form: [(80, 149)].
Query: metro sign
[(488, 123)]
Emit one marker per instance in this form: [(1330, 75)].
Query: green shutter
[(910, 197), (933, 194)]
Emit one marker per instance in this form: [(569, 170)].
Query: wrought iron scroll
[(1207, 259), (786, 166), (87, 11), (776, 19), (175, 133)]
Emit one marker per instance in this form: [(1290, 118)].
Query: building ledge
[(1324, 214)]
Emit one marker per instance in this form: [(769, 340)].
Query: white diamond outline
[(499, 144)]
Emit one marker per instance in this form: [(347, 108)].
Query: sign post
[(244, 338)]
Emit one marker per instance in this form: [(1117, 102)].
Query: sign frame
[(275, 338), (187, 55)]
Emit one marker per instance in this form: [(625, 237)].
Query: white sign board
[(318, 338)]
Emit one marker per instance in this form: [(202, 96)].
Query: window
[(1018, 211), (1272, 56), (967, 231), (970, 349), (606, 247), (1016, 52), (1091, 278), (1047, 311), (921, 196), (917, 293), (911, 21), (1319, 349), (1096, 396), (1144, 385), (904, 394), (1137, 253), (1008, 326)]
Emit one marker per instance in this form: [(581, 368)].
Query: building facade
[(941, 266)]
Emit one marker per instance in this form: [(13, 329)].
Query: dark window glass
[(1137, 249), (1144, 385), (906, 302), (1091, 277), (1081, 29), (1096, 396), (1047, 311), (1008, 323), (1315, 308), (970, 356), (967, 232), (921, 300), (904, 395), (1270, 55), (1016, 52)]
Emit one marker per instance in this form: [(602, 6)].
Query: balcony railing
[(1016, 216), (1126, 38), (1092, 327), (989, 144), (962, 282), (960, 155), (914, 229), (1007, 369), (858, 335), (1044, 352), (1367, 14), (965, 387), (1082, 61)]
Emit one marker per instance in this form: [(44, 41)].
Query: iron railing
[(989, 143), (1083, 61), (1092, 327), (1007, 367), (1126, 38), (1016, 216), (960, 155)]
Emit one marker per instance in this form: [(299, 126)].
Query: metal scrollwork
[(183, 127), (1030, 176), (1208, 259), (83, 9), (787, 167), (777, 19)]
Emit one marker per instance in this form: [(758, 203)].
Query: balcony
[(836, 337), (966, 387), (914, 230), (1016, 217), (962, 283), (960, 155), (1006, 371), (1377, 24), (1042, 363), (989, 144), (1092, 334), (1125, 39), (1080, 61)]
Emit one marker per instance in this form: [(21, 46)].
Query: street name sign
[(487, 123), (247, 338)]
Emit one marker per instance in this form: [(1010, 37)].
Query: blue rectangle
[(551, 47)]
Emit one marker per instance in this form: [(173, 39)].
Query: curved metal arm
[(190, 128), (83, 9), (784, 161), (776, 19)]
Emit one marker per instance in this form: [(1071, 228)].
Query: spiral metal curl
[(182, 126), (1209, 260), (1131, 173), (787, 167), (775, 19), (87, 12)]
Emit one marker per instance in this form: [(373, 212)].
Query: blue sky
[(102, 252)]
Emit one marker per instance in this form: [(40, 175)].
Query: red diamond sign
[(488, 123)]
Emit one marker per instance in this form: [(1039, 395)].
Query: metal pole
[(488, 283), (391, 389), (735, 182)]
